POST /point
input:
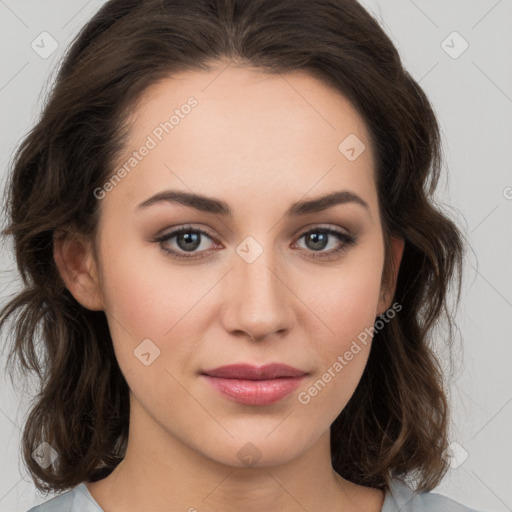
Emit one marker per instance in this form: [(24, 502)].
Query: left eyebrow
[(321, 203), (216, 206)]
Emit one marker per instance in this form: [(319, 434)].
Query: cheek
[(350, 317), (348, 306), (141, 292), (350, 313), (148, 298), (353, 307), (348, 299)]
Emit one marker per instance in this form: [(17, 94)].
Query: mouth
[(250, 372), (252, 385)]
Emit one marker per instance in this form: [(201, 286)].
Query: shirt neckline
[(388, 497)]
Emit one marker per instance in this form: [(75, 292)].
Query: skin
[(258, 142)]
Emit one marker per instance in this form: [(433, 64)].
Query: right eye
[(184, 243)]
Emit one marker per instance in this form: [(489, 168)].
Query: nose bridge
[(257, 301)]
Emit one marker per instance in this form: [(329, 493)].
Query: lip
[(250, 372), (253, 385)]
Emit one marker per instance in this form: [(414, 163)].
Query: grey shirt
[(399, 498)]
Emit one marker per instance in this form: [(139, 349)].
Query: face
[(259, 272)]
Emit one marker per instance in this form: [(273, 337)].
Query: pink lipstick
[(252, 385)]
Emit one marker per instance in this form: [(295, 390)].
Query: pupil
[(191, 241), (318, 239)]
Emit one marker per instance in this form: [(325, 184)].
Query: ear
[(75, 261), (387, 291)]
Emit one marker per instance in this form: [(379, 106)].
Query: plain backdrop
[(461, 53)]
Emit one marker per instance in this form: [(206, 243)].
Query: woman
[(225, 226)]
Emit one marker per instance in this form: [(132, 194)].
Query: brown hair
[(396, 423)]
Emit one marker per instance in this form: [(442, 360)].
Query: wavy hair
[(396, 423)]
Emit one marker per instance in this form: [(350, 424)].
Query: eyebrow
[(219, 207)]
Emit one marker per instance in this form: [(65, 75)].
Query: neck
[(165, 474)]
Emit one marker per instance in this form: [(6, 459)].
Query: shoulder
[(400, 497), (76, 499)]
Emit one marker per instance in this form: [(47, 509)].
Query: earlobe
[(74, 258), (388, 289)]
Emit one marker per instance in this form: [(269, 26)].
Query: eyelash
[(346, 239)]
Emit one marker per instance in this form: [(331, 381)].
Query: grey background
[(472, 96)]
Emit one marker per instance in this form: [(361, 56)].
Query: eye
[(188, 240), (317, 239), (191, 243)]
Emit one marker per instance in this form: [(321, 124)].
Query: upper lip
[(251, 372)]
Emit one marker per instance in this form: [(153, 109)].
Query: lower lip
[(255, 392)]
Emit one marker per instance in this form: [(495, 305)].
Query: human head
[(71, 153)]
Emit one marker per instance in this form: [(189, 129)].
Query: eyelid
[(174, 231), (184, 228), (319, 226), (344, 237)]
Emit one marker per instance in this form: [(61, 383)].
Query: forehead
[(227, 95), (231, 127)]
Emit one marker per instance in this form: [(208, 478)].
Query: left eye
[(189, 240), (318, 239)]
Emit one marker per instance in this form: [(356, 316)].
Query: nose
[(257, 302)]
